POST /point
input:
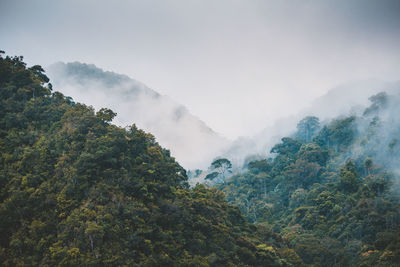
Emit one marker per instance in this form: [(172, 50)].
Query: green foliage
[(338, 135), (107, 115), (307, 128), (288, 147), (211, 176), (259, 166), (220, 169), (331, 209), (76, 190), (348, 178)]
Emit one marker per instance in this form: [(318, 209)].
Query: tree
[(107, 115), (76, 190), (313, 153), (348, 181), (222, 167), (379, 101), (288, 147), (303, 173), (259, 166), (38, 72), (307, 128), (339, 134), (211, 176)]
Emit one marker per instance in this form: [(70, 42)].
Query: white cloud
[(236, 64)]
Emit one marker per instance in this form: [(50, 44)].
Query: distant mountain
[(189, 139), (346, 99), (332, 189), (77, 190)]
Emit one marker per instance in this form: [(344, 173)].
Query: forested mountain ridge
[(171, 123), (76, 190), (332, 191)]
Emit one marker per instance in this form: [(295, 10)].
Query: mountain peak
[(190, 140)]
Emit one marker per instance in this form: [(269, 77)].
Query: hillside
[(344, 100), (76, 190), (332, 190), (188, 138)]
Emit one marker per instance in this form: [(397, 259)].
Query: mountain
[(348, 98), (343, 100), (331, 188), (76, 190), (189, 139)]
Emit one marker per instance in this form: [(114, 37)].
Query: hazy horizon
[(189, 139), (236, 65)]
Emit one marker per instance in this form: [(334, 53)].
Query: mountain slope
[(190, 140), (332, 190), (79, 191), (344, 100)]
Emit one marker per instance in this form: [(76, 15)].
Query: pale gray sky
[(238, 65)]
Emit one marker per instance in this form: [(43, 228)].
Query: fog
[(378, 131), (237, 65), (188, 138), (344, 100), (227, 78), (375, 105)]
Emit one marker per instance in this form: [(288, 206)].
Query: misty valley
[(83, 184)]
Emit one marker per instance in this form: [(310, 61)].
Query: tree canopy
[(329, 191), (76, 190)]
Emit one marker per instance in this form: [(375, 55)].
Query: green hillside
[(75, 190), (332, 191)]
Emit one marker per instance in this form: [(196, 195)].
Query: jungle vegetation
[(331, 191), (76, 190)]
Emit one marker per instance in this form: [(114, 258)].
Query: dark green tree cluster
[(76, 190), (328, 192)]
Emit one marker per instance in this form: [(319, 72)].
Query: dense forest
[(332, 189), (76, 190)]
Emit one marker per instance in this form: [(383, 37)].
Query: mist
[(243, 133), (344, 100), (237, 65), (188, 138), (248, 70), (378, 131), (194, 144)]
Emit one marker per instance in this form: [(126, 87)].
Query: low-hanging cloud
[(345, 100), (189, 139), (238, 65)]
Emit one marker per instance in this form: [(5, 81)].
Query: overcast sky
[(237, 65)]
